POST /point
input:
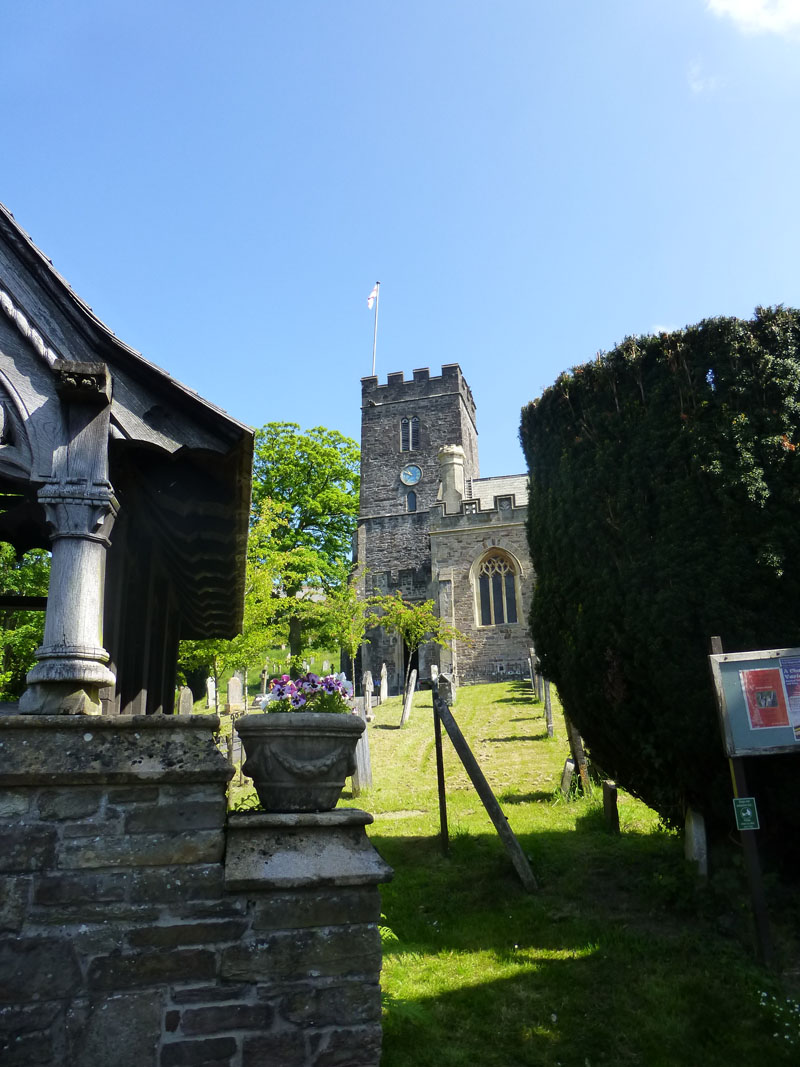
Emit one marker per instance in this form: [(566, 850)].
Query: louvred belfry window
[(409, 434), (497, 590)]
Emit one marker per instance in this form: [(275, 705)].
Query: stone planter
[(299, 760)]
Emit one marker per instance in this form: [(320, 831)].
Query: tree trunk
[(295, 646)]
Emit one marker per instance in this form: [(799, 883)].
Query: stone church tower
[(424, 516)]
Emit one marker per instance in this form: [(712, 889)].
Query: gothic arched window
[(497, 589), (411, 501), (409, 434)]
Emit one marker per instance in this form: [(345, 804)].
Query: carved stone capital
[(83, 383), (83, 512)]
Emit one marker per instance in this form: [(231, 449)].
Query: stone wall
[(457, 541), (140, 926)]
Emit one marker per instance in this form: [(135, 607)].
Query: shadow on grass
[(524, 798), (518, 737), (596, 965)]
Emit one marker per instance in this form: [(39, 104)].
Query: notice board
[(758, 700)]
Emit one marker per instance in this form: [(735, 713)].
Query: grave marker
[(384, 693), (409, 698), (185, 700), (235, 695)]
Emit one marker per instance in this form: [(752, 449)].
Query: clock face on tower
[(410, 474)]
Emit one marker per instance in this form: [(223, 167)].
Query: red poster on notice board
[(765, 698)]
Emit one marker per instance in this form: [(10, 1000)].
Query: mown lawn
[(619, 958)]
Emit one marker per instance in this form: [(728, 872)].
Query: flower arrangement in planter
[(300, 753), (309, 693)]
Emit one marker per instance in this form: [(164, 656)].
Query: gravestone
[(211, 692), (567, 775), (384, 691), (325, 667), (434, 673), (695, 843), (409, 699), (264, 682), (185, 700), (548, 709), (367, 688), (362, 776), (235, 695)]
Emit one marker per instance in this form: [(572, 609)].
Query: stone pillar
[(80, 508), (451, 472), (312, 882)]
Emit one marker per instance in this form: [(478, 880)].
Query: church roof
[(189, 460), (486, 489)]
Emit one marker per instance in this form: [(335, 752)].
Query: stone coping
[(39, 750), (257, 820), (267, 852), (14, 721)]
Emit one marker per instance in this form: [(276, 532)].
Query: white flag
[(373, 296)]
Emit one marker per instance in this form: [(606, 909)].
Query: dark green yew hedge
[(665, 507)]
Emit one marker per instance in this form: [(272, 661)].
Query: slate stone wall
[(125, 940)]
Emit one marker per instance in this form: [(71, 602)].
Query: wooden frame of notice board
[(758, 700)]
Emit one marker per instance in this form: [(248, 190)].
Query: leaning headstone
[(384, 691), (409, 699), (235, 695), (185, 701), (211, 692), (362, 776), (566, 776)]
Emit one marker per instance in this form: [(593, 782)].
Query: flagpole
[(375, 334)]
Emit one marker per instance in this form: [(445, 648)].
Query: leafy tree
[(416, 623), (311, 478), (21, 632), (345, 618), (664, 509)]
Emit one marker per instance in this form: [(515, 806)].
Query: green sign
[(746, 813)]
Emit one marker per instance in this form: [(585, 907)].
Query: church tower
[(404, 424)]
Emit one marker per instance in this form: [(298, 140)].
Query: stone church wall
[(457, 542), (141, 926)]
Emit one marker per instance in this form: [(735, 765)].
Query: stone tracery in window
[(497, 590)]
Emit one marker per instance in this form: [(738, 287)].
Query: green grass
[(619, 958)]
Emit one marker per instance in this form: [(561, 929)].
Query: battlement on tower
[(422, 384)]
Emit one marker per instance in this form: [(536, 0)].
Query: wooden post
[(444, 839), (610, 809), (548, 709), (752, 861), (482, 787)]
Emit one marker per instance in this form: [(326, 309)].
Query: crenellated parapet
[(399, 389)]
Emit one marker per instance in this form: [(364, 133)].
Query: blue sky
[(530, 180)]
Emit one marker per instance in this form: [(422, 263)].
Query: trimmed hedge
[(665, 508)]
